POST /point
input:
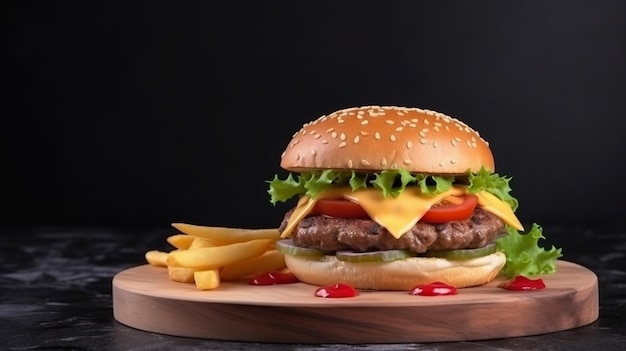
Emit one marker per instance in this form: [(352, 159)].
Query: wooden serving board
[(145, 298)]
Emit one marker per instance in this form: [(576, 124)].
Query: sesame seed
[(333, 134), (340, 120), (324, 141), (423, 141), (389, 121), (297, 157), (409, 144), (383, 162), (377, 135), (350, 164), (399, 129), (453, 162), (317, 136), (342, 144), (342, 136), (453, 142), (365, 163), (392, 137), (330, 129), (364, 122), (356, 139), (364, 133), (435, 144), (312, 132), (313, 152), (407, 161)]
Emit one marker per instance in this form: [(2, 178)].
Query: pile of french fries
[(207, 256)]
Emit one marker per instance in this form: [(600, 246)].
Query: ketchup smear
[(433, 289), (337, 290), (272, 278), (520, 282)]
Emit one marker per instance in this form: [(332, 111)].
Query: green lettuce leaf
[(391, 182), (493, 183), (283, 190), (433, 184), (524, 256)]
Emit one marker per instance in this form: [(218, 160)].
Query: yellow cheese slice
[(303, 208), (306, 204), (398, 215), (491, 203)]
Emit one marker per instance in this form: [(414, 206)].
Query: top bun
[(377, 138)]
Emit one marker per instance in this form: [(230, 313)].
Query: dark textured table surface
[(55, 294)]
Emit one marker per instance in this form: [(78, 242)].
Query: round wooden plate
[(145, 298)]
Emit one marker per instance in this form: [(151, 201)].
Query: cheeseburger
[(391, 197)]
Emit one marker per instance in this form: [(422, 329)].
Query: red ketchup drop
[(337, 290), (272, 278), (433, 289), (520, 282)]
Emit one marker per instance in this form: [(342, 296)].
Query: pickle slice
[(287, 247), (373, 256), (463, 253)]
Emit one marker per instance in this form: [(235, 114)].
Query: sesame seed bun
[(376, 138), (396, 275)]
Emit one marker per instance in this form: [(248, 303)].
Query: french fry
[(181, 274), (225, 235), (269, 261), (206, 256), (180, 241), (214, 257), (207, 280), (199, 242), (157, 258)]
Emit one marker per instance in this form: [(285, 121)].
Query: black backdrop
[(150, 112)]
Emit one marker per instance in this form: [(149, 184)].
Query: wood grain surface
[(144, 298)]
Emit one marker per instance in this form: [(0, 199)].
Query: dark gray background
[(150, 112)]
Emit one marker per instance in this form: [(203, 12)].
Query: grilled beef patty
[(333, 234)]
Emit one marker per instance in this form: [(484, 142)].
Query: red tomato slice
[(339, 208), (447, 211)]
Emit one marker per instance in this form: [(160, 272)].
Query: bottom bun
[(396, 275)]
